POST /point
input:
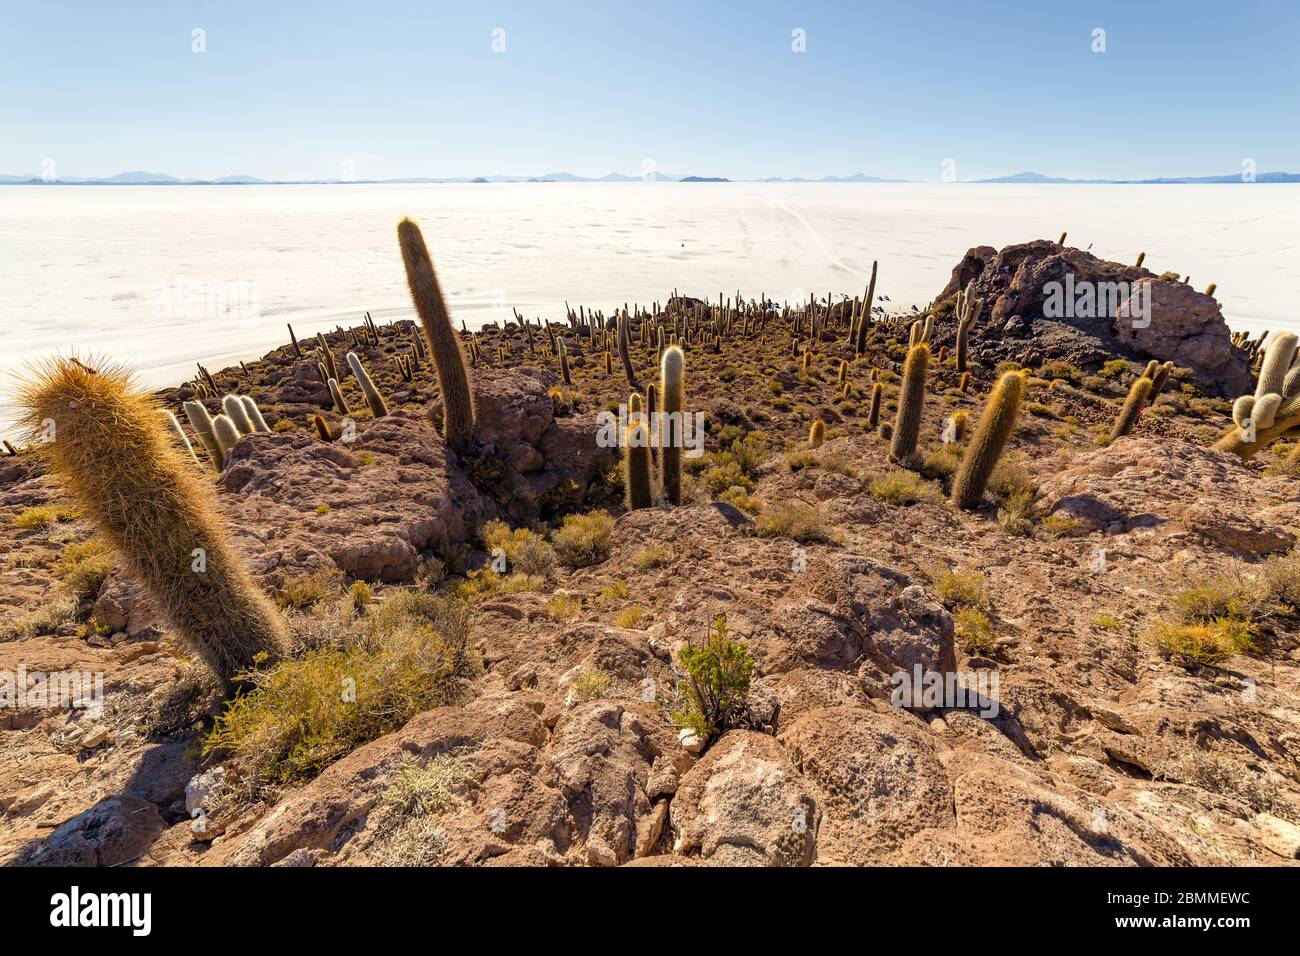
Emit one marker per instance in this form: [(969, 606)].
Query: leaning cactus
[(115, 457), (179, 434), (322, 428), (864, 322), (448, 359), (336, 396), (988, 442), (911, 399), (1159, 379), (378, 407), (1138, 396), (227, 434)]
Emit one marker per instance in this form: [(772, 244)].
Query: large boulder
[(1065, 303), (745, 804), (115, 831)]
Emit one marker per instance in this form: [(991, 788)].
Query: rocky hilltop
[(495, 655)]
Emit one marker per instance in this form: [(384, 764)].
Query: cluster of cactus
[(1274, 409), (990, 439), (444, 344), (114, 455)]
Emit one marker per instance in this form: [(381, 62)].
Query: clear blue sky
[(291, 90)]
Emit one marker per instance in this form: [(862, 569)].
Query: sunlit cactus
[(113, 454)]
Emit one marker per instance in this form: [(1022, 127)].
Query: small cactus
[(564, 361), (322, 428), (227, 434), (378, 407), (238, 415), (911, 400), (987, 444), (201, 422), (873, 416), (254, 414), (817, 434), (1142, 257), (179, 434), (336, 396)]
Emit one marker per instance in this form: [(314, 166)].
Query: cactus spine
[(911, 400), (448, 359), (672, 386), (114, 455), (1138, 395), (987, 444), (378, 407)]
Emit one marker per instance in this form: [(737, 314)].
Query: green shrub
[(526, 551), (306, 591), (898, 488), (960, 588), (298, 716), (974, 631), (795, 520), (592, 683), (584, 539), (718, 673), (1208, 642), (655, 556)]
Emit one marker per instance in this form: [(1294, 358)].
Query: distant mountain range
[(141, 178)]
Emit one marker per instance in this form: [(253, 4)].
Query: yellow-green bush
[(583, 539), (526, 551)]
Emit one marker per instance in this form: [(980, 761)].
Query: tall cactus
[(911, 400), (672, 387), (625, 351), (113, 454), (378, 407), (988, 442), (864, 321), (336, 397), (968, 314), (444, 344), (563, 353)]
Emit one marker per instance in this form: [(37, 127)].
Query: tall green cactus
[(636, 467), (864, 322), (672, 376), (444, 343), (873, 416), (911, 401), (990, 439)]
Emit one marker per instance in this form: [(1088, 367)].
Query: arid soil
[(1097, 742)]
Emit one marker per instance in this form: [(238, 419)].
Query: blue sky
[(291, 90)]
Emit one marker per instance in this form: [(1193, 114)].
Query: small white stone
[(691, 742)]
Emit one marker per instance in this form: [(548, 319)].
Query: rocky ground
[(555, 743)]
